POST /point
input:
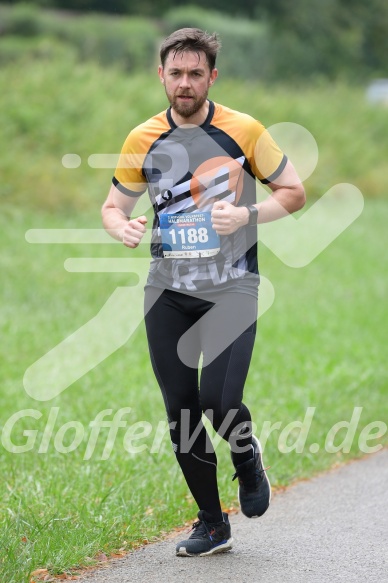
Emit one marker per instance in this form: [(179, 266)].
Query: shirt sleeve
[(128, 176), (268, 159)]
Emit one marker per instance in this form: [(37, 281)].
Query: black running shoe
[(254, 492), (207, 538)]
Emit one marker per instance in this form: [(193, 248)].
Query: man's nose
[(185, 81)]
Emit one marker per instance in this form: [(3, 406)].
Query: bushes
[(309, 41), (132, 43), (127, 42), (22, 20), (16, 48), (245, 51)]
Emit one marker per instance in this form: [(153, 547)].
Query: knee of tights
[(223, 421)]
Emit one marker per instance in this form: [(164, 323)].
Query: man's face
[(187, 77)]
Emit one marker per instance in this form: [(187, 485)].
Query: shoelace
[(200, 528), (250, 480)]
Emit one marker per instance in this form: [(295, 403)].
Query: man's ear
[(213, 76), (160, 73)]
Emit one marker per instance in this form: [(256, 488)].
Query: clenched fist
[(227, 218), (134, 231)]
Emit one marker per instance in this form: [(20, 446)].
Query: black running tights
[(180, 328)]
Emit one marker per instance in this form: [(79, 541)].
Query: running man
[(199, 161)]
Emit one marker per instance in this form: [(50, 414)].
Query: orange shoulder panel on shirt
[(137, 145), (261, 151)]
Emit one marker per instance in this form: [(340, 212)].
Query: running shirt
[(186, 169)]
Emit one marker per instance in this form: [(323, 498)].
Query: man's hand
[(134, 231), (227, 218)]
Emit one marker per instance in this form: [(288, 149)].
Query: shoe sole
[(265, 477), (225, 547)]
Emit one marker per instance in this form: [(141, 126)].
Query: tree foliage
[(270, 39)]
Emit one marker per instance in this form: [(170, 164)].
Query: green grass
[(58, 106), (322, 343)]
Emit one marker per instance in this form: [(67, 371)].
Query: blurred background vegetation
[(77, 79), (266, 39)]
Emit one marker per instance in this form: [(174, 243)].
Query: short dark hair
[(191, 39)]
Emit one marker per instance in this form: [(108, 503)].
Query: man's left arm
[(288, 196)]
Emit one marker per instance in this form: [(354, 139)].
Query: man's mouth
[(185, 97)]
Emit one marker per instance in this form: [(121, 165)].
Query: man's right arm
[(116, 218)]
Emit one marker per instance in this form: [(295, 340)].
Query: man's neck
[(197, 119)]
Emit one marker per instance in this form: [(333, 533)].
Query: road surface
[(331, 528)]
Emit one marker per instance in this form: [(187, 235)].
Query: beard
[(189, 108)]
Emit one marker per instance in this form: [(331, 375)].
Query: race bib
[(186, 235)]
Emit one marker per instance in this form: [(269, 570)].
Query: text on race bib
[(188, 235)]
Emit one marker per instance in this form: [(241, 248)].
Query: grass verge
[(321, 345)]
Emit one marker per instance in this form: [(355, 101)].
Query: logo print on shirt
[(220, 178), (166, 195)]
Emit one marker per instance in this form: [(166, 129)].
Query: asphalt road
[(331, 528)]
